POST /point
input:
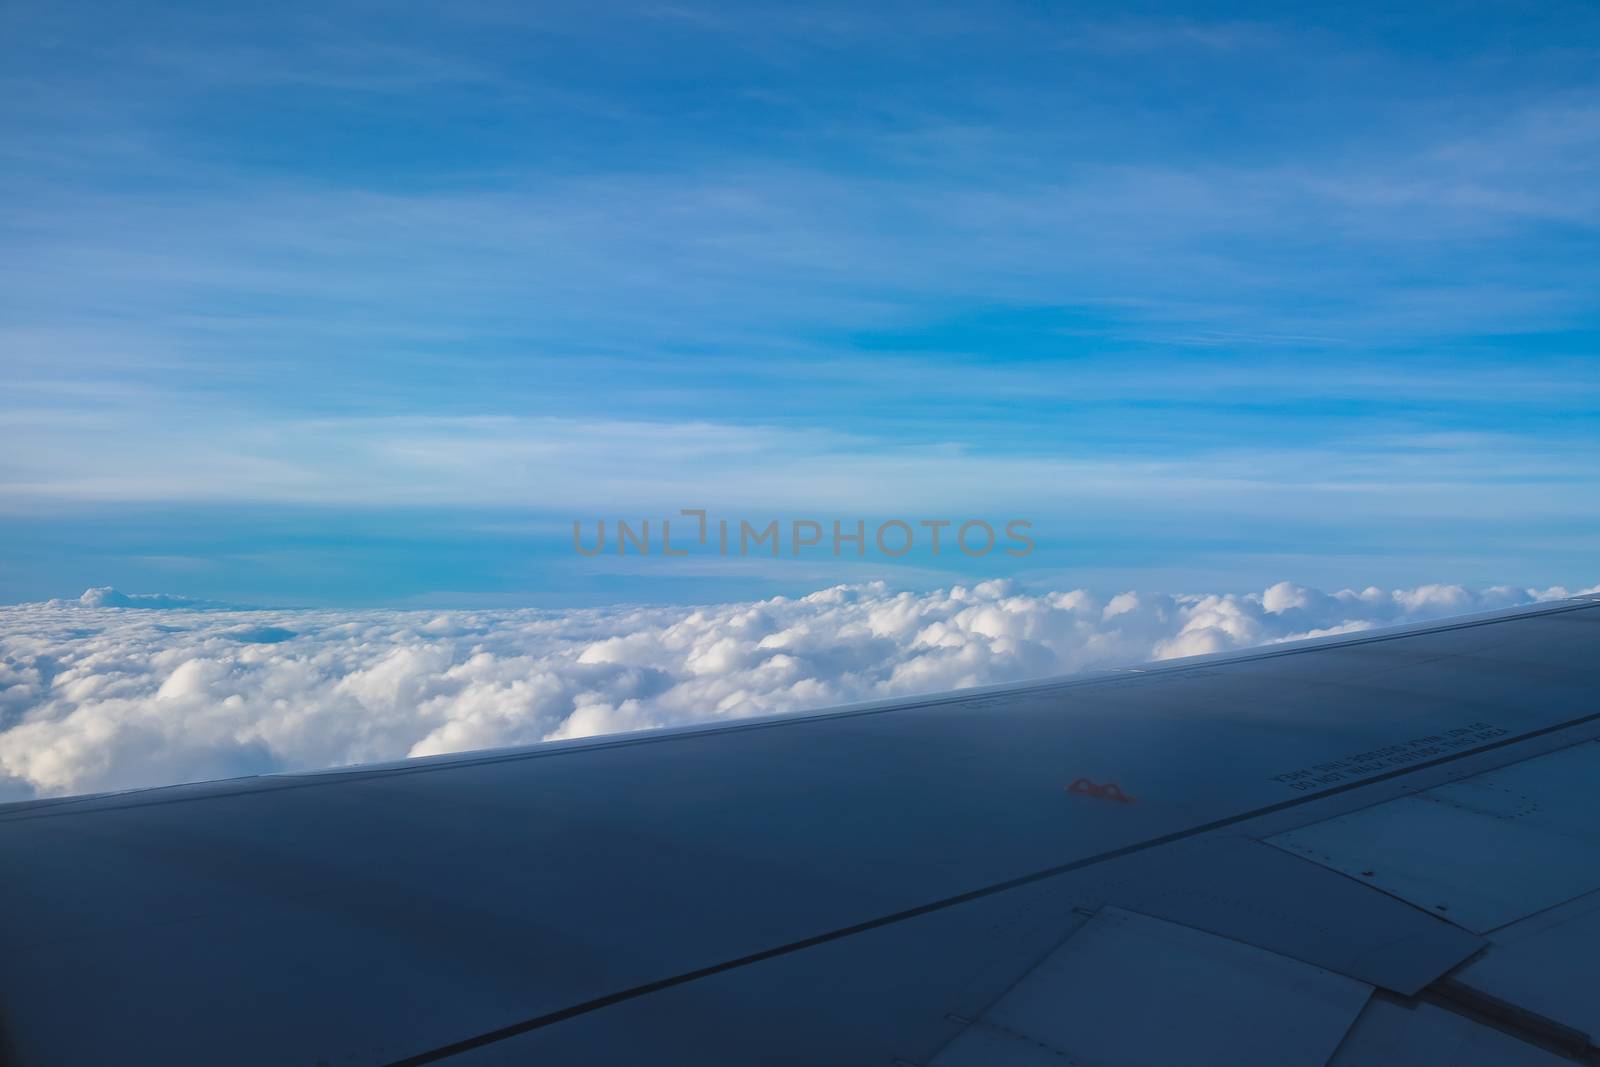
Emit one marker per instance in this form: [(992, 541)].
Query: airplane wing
[(1375, 849)]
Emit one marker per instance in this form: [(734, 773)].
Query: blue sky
[(348, 303)]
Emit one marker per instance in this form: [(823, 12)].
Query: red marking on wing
[(1109, 791)]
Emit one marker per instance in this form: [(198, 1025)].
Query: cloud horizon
[(117, 691)]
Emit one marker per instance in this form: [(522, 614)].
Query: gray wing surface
[(1373, 849)]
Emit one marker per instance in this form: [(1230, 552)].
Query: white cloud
[(103, 596), (95, 697)]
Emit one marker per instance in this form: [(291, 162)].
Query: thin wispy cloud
[(579, 467)]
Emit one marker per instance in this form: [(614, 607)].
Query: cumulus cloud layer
[(116, 691)]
